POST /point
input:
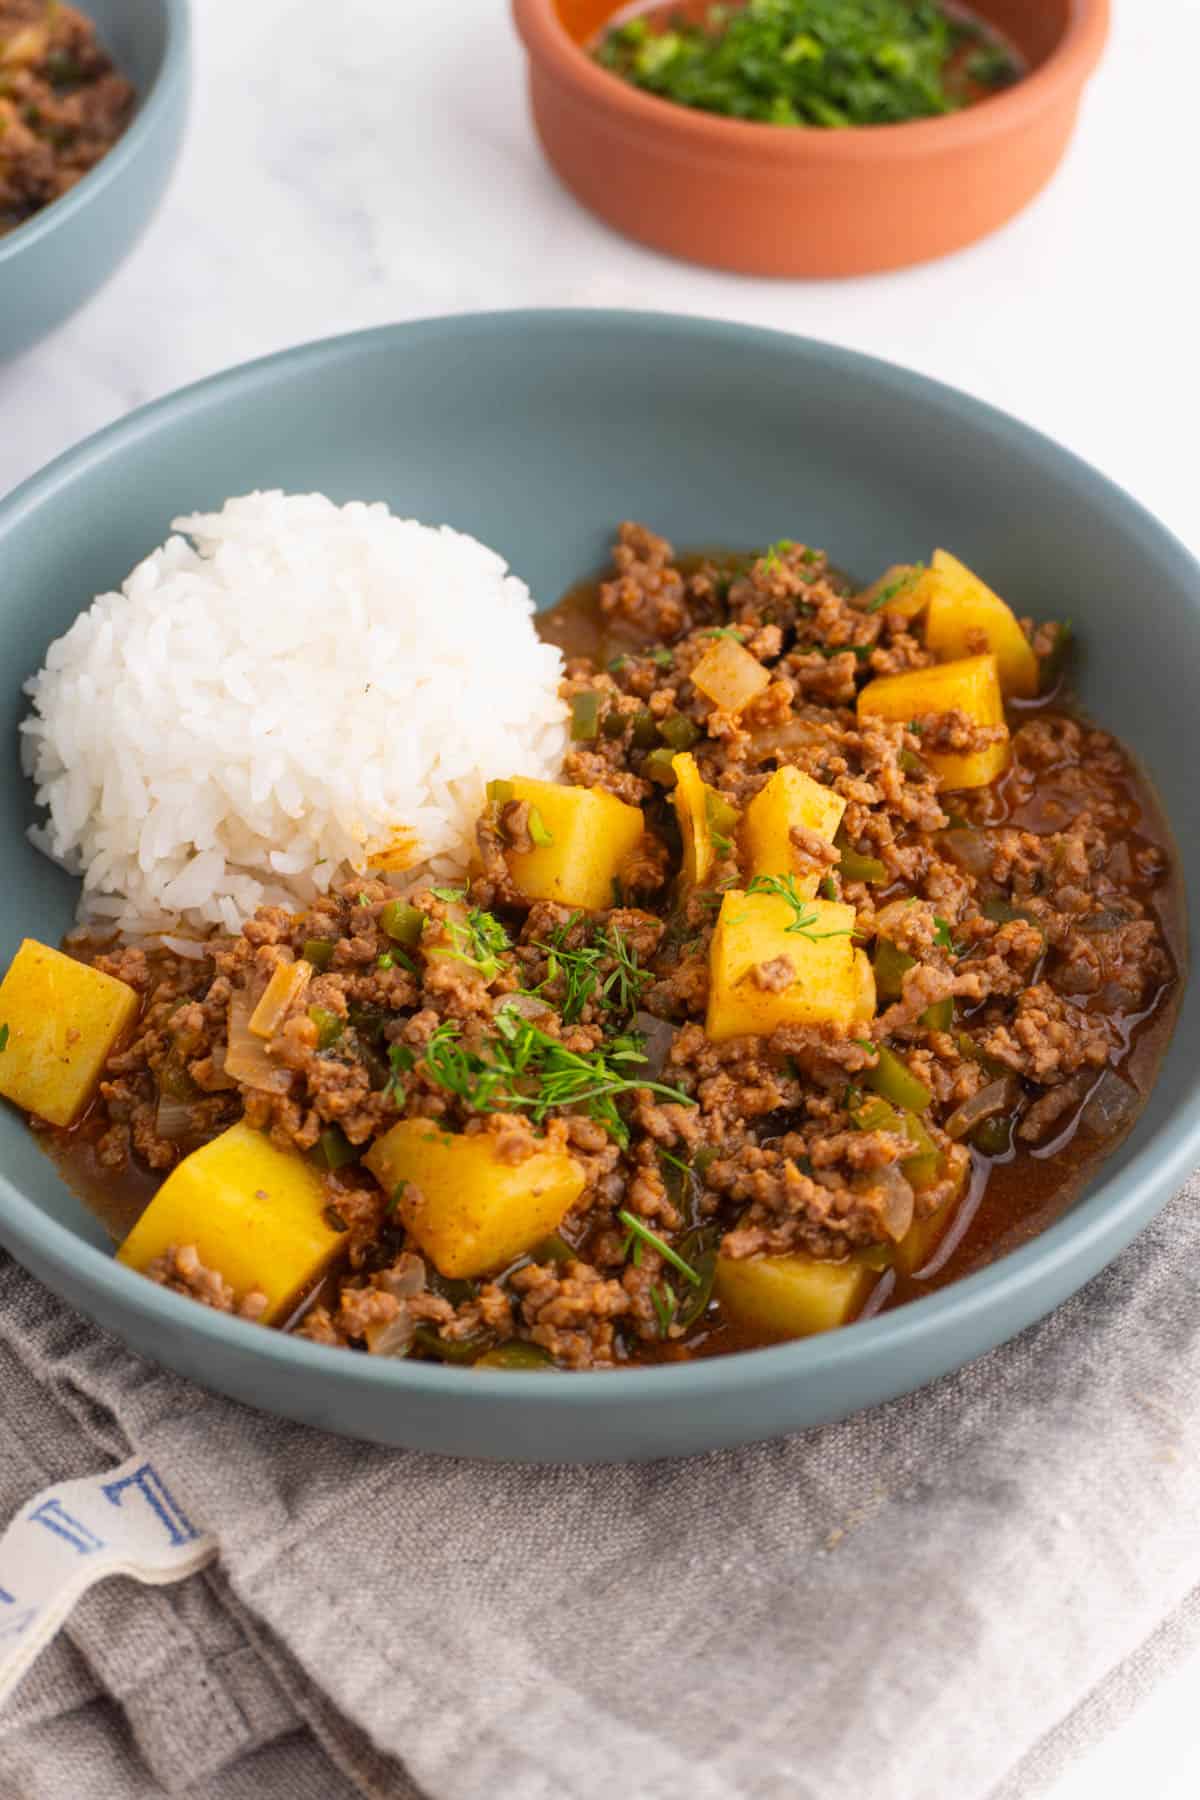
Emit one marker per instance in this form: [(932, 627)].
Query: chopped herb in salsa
[(831, 63)]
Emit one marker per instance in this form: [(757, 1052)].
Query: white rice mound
[(265, 708)]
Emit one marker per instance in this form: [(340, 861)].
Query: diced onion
[(404, 1281), (782, 740), (173, 1119), (659, 1035), (393, 1339), (1110, 1105), (971, 850), (997, 1097), (527, 1006), (899, 1201), (246, 1058), (729, 675), (220, 1080)]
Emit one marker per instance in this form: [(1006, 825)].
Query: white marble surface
[(373, 160)]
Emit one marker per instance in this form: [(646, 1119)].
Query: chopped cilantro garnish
[(783, 887), (637, 1229), (522, 1067), (583, 971), (479, 940), (808, 62), (665, 1302), (4, 1037)]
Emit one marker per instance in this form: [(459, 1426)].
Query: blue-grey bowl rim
[(161, 97), (1135, 1193)]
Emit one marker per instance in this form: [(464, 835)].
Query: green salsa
[(831, 63)]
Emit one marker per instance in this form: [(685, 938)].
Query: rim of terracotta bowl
[(696, 133), (163, 94)]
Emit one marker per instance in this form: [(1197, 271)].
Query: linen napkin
[(943, 1599)]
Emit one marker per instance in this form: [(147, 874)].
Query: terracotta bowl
[(772, 200)]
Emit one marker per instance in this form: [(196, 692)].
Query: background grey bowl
[(538, 432), (55, 261)]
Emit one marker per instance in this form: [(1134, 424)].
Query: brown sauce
[(1010, 1200)]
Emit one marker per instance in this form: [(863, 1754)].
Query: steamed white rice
[(299, 690)]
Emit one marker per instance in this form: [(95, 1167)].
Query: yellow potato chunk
[(691, 798), (469, 1211), (780, 1297), (962, 609), (729, 676), (789, 801), (58, 1021), (255, 1213), (590, 833), (866, 999), (971, 686), (904, 589), (826, 983)]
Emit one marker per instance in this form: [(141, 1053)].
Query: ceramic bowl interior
[(53, 262), (538, 432)]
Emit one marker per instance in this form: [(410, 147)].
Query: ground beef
[(571, 1314), (774, 976), (954, 732), (62, 104), (648, 592), (1050, 1039), (1026, 917), (181, 1270)]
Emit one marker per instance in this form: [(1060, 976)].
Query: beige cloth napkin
[(943, 1599)]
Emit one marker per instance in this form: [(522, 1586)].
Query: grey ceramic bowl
[(538, 432), (55, 261)]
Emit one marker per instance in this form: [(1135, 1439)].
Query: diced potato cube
[(962, 609), (971, 686), (789, 801), (469, 1211), (58, 1021), (690, 797), (826, 983), (729, 676), (591, 834), (866, 999), (904, 590), (255, 1213), (777, 1297)]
